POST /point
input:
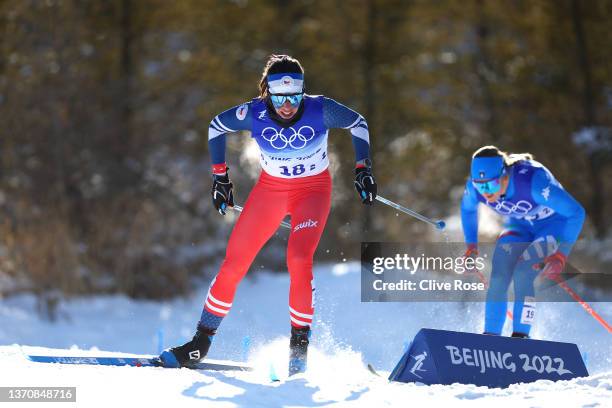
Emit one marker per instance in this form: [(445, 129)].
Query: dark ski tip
[(373, 370)]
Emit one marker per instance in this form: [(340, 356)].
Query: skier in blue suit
[(543, 221)]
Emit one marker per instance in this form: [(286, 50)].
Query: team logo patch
[(241, 112), (546, 193), (262, 114), (287, 80)]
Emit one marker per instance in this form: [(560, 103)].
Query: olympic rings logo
[(297, 140), (522, 207)]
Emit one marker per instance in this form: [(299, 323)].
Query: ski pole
[(239, 209), (440, 225), (584, 304)]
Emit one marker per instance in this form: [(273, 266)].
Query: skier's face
[(493, 197), (286, 110)]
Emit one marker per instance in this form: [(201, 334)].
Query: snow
[(347, 335)]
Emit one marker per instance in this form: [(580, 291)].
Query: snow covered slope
[(347, 334)]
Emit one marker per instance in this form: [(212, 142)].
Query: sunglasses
[(489, 186), (279, 100)]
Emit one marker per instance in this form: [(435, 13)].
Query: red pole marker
[(584, 304)]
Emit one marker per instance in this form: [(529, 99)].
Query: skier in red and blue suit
[(543, 221), (291, 129)]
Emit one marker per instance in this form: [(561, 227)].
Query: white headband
[(286, 83)]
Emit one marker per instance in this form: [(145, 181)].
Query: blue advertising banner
[(447, 357)]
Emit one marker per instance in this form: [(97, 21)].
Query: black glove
[(365, 185), (222, 192)]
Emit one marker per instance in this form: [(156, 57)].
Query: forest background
[(105, 107)]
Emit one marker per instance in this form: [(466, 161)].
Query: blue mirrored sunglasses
[(490, 186), (279, 100)]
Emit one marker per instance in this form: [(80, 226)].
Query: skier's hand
[(365, 184), (471, 253), (222, 192), (552, 266)]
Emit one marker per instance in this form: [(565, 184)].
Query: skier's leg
[(263, 211), (508, 248), (548, 240), (309, 210)]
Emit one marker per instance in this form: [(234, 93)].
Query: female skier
[(291, 129), (543, 222)]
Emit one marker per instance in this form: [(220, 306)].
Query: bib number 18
[(296, 170)]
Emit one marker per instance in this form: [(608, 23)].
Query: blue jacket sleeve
[(336, 115), (232, 120), (469, 214), (545, 190)]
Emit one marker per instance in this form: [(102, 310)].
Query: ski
[(213, 365)]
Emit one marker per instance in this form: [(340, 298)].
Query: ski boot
[(189, 353), (519, 335), (298, 349)]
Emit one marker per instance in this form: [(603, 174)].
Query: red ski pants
[(308, 201)]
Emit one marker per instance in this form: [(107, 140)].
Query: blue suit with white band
[(298, 150), (541, 219)]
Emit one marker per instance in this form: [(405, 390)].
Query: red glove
[(552, 266), (471, 251)]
